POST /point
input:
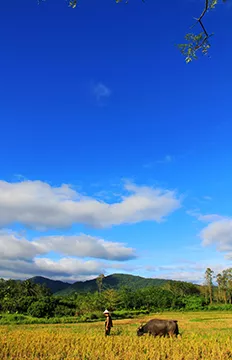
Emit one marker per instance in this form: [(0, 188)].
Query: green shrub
[(42, 308), (193, 303), (62, 310), (219, 307)]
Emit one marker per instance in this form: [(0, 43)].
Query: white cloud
[(13, 246), (68, 269), (21, 258), (101, 91), (65, 268), (38, 205), (209, 218), (85, 246), (189, 276), (68, 266), (218, 233), (208, 198), (167, 159), (191, 272)]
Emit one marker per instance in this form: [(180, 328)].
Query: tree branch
[(205, 9), (201, 17), (200, 41)]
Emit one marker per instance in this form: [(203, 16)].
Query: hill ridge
[(113, 281)]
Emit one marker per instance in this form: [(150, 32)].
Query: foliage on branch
[(195, 42), (198, 42)]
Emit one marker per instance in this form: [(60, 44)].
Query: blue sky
[(115, 154)]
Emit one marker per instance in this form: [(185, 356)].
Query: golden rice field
[(205, 336)]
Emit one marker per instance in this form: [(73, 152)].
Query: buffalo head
[(140, 330)]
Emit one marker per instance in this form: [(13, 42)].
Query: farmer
[(108, 322)]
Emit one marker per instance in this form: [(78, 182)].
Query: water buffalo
[(158, 327)]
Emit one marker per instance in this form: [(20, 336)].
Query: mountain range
[(114, 281)]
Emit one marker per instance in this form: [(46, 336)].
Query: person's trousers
[(107, 332)]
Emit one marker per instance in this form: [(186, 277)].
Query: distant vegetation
[(125, 295), (53, 285), (115, 281)]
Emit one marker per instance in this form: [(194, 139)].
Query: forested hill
[(114, 281), (53, 285)]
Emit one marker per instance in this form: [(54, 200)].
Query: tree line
[(218, 287), (28, 298)]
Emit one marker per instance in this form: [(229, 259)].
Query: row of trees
[(26, 297), (36, 300), (223, 291)]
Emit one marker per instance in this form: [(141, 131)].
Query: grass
[(8, 319), (205, 336)]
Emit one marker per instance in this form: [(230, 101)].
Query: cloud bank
[(22, 258), (38, 205), (85, 246), (66, 269), (12, 246), (219, 233)]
